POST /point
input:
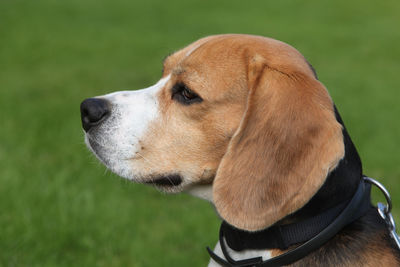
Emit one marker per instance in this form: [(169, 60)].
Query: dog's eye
[(188, 95), (184, 95)]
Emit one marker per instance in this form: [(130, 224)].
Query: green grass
[(59, 207)]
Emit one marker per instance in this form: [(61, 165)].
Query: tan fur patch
[(378, 253)]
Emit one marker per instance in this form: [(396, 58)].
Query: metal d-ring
[(384, 191), (385, 210)]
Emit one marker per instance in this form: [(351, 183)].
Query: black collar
[(314, 232)]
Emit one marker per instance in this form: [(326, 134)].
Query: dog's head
[(240, 113)]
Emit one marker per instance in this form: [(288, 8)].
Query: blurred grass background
[(58, 205)]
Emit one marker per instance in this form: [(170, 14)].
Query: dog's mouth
[(164, 181), (169, 180)]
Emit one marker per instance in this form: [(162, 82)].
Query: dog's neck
[(203, 191)]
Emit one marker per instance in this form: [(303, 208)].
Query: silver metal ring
[(384, 191)]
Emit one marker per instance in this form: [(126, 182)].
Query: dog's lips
[(161, 181), (168, 180)]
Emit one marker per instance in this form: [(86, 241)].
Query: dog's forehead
[(228, 53), (213, 51), (184, 53)]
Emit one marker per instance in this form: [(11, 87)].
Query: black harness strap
[(356, 207)]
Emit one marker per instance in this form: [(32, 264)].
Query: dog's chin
[(167, 183)]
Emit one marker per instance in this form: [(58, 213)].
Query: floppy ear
[(286, 144)]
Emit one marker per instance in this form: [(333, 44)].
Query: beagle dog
[(243, 122)]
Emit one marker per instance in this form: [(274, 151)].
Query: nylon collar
[(314, 232)]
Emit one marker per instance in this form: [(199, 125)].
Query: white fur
[(201, 191), (239, 255), (117, 141)]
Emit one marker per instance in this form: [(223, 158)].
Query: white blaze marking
[(117, 140), (137, 108)]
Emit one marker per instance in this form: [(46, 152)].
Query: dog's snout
[(93, 112)]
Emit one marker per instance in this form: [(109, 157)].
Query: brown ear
[(287, 143)]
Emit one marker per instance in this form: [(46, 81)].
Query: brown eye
[(187, 94), (184, 95)]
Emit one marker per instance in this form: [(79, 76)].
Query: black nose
[(93, 112)]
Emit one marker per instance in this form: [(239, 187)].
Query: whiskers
[(152, 164), (156, 166), (95, 142), (144, 170)]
